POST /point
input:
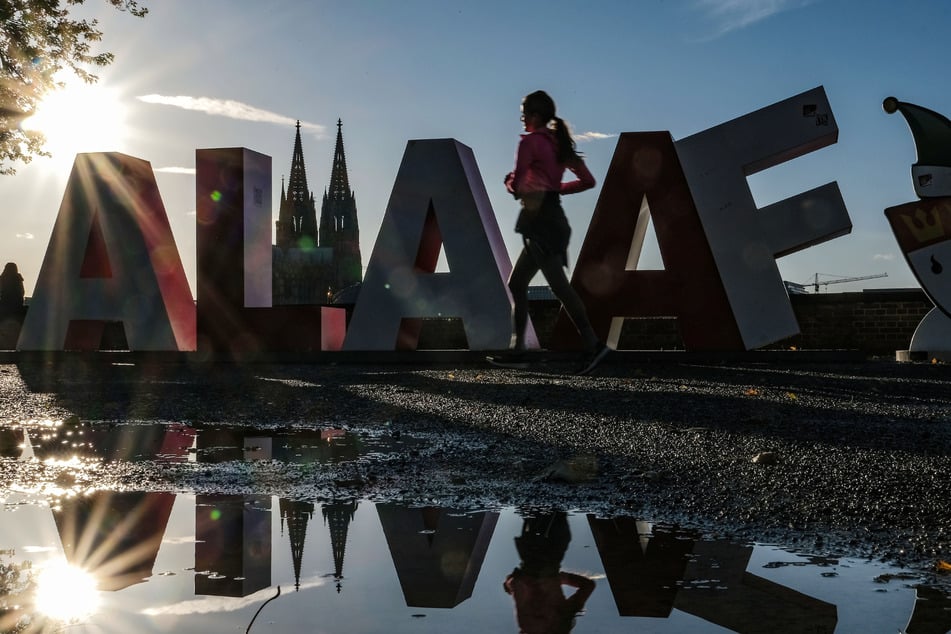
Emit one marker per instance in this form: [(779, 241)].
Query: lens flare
[(79, 117), (66, 593)]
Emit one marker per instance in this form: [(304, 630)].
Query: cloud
[(175, 170), (884, 256), (217, 605), (731, 15), (25, 236), (229, 108), (191, 539), (584, 137)]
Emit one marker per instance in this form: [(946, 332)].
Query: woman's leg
[(554, 272), (522, 273)]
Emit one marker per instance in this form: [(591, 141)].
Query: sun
[(79, 117), (66, 593)]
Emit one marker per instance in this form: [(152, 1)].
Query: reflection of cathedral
[(296, 515), (313, 261), (338, 517)]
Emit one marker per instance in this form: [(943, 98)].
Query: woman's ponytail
[(567, 151), (540, 104)]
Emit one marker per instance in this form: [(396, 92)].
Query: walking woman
[(544, 152)]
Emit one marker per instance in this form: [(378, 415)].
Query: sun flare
[(80, 117), (66, 593)]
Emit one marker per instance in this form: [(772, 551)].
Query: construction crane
[(816, 283)]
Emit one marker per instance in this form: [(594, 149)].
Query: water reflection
[(209, 562), (113, 536), (74, 439), (233, 544), (287, 445), (206, 563), (437, 552), (652, 573), (536, 584)]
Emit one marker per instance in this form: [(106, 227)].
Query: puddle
[(145, 561), (213, 563), (136, 442)]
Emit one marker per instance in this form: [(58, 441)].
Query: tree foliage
[(38, 38), (17, 590)]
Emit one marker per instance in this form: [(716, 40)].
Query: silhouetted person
[(536, 585), (545, 152), (11, 290)]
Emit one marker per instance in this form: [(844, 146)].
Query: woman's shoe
[(517, 359), (594, 358)]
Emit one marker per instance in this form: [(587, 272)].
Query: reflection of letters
[(743, 602), (437, 552), (111, 258), (652, 573), (114, 535), (438, 199), (233, 541), (643, 570)]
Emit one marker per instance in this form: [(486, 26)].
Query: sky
[(227, 73)]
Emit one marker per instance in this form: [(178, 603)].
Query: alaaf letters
[(112, 256)]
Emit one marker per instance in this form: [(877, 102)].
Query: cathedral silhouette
[(313, 262)]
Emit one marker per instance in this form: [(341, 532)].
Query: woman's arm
[(584, 585), (583, 178)]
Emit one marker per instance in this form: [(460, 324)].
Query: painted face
[(923, 231), (932, 267)]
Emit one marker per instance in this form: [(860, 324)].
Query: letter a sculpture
[(923, 227)]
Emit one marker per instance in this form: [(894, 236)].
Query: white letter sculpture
[(111, 257), (438, 198), (745, 241)]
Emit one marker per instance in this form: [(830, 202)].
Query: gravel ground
[(849, 458)]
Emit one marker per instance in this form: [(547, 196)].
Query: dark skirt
[(544, 224)]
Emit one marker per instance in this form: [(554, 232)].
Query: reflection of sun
[(66, 593), (79, 117)]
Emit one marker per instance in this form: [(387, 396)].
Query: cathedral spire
[(297, 218), (297, 184), (339, 228), (339, 183)]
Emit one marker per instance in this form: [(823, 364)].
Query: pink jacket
[(537, 168)]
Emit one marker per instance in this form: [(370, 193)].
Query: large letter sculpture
[(438, 199), (645, 182), (923, 228), (721, 280), (111, 257), (235, 318)]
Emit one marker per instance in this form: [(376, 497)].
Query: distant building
[(312, 262)]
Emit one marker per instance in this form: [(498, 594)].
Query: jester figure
[(923, 228)]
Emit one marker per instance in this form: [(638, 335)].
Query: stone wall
[(876, 322)]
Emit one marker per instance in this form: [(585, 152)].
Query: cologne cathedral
[(313, 262)]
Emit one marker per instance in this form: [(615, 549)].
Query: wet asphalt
[(847, 458)]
